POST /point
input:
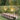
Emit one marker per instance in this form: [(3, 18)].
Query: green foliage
[(0, 11), (18, 12), (3, 11), (8, 11), (19, 2)]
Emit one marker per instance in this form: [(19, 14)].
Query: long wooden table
[(8, 15)]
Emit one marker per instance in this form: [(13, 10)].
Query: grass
[(1, 18)]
